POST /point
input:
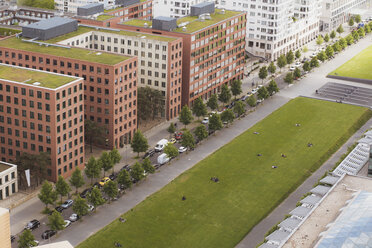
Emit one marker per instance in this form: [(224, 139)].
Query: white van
[(160, 145), (163, 158)]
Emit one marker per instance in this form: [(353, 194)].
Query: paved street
[(109, 212)]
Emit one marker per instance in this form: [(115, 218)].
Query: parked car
[(67, 204), (205, 120), (298, 64), (254, 91), (36, 243), (259, 86), (32, 225), (157, 166), (160, 145), (292, 68), (90, 208), (149, 153), (259, 100), (178, 135), (113, 176), (314, 54), (85, 193), (47, 234), (59, 209), (172, 141), (163, 158), (74, 217), (125, 167), (243, 98), (182, 149), (249, 93), (12, 238), (104, 181), (67, 223), (304, 60)]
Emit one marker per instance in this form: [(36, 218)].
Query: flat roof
[(73, 53), (90, 5), (84, 29), (320, 190), (3, 167), (46, 24), (194, 24), (122, 7), (300, 211), (329, 180), (311, 199), (278, 236), (289, 223), (31, 76), (104, 17)]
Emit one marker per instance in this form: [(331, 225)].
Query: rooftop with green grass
[(121, 7), (73, 53), (104, 17), (82, 30), (193, 23), (357, 67), (27, 76)]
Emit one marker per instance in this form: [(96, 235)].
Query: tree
[(215, 122), (319, 40), (137, 172), (77, 179), (251, 101), (92, 169), (236, 88), (171, 129), (340, 29), (185, 115), (351, 21), (199, 108), (336, 47), (115, 156), (342, 43), (262, 74), (227, 116), (201, 132), (106, 162), (188, 139), (272, 87), (95, 197), (355, 36), (290, 57), (322, 56), (47, 194), (111, 189), (26, 239), (271, 68), (147, 166), (357, 18), (56, 221), (333, 34), (281, 62), (93, 133), (361, 32), (298, 54), (305, 49), (367, 29), (297, 73), (329, 51), (62, 187), (288, 78), (225, 94), (314, 62), (150, 103), (80, 206), (139, 143), (171, 150), (124, 179), (349, 40), (306, 66), (213, 102), (239, 107), (326, 38)]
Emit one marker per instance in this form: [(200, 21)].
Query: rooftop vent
[(36, 83), (184, 29), (222, 11), (98, 53), (146, 25)]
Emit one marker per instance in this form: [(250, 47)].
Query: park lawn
[(221, 214), (357, 67)]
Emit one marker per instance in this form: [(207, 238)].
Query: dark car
[(96, 185), (125, 167), (157, 166), (59, 209), (210, 132), (178, 135), (47, 234), (113, 176), (12, 238), (149, 153), (85, 193), (32, 225)]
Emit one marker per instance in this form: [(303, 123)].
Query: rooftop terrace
[(193, 23), (73, 53), (3, 167), (28, 76)]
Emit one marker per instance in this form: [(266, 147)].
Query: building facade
[(159, 60), (110, 81), (337, 12), (42, 112), (213, 50), (176, 9), (276, 26), (5, 228), (8, 179)]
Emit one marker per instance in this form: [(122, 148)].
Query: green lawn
[(221, 214), (357, 67)]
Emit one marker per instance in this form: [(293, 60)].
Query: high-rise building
[(213, 47), (276, 26), (174, 8), (337, 12), (42, 112), (110, 80)]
